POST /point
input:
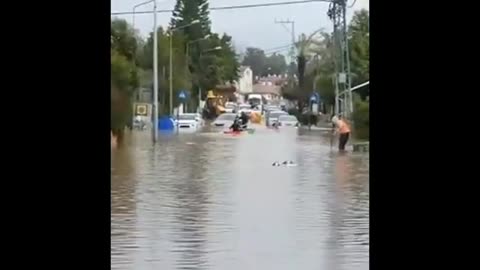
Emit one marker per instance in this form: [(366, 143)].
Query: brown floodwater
[(213, 201)]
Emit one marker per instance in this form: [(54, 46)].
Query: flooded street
[(214, 201)]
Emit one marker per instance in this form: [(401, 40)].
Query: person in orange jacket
[(343, 129)]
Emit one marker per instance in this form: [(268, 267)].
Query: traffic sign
[(315, 97), (182, 95)]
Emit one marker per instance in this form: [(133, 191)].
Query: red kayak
[(232, 132)]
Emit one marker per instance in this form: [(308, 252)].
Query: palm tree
[(307, 47)]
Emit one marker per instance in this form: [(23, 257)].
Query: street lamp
[(213, 49), (171, 61), (187, 58), (155, 66), (191, 42), (188, 49)]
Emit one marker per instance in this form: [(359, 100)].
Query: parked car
[(272, 116), (224, 120), (230, 107), (270, 107), (288, 121), (247, 108), (189, 121)]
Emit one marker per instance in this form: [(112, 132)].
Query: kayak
[(249, 130), (231, 132)]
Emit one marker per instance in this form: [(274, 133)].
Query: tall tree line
[(211, 59), (263, 65), (315, 60), (315, 66)]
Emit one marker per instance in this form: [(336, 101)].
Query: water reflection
[(123, 208), (209, 201)]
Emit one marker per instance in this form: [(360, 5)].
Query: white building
[(244, 85)]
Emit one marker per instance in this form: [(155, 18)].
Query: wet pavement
[(214, 201)]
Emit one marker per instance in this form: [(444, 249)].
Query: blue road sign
[(182, 95), (315, 97)]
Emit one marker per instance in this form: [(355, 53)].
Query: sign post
[(314, 103), (182, 96)]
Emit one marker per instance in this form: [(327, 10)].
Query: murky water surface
[(212, 201)]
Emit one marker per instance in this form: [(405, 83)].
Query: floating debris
[(285, 163)]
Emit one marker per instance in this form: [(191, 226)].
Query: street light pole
[(170, 76), (188, 50), (171, 62), (155, 67), (133, 16), (187, 62), (155, 74)]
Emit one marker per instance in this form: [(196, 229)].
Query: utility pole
[(343, 96), (292, 31)]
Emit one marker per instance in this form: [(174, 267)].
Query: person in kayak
[(236, 125), (343, 129), (244, 118)]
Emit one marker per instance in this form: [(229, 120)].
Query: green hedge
[(361, 119)]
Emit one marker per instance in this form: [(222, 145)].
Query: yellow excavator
[(214, 105)]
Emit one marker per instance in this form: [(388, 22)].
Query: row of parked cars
[(273, 114)]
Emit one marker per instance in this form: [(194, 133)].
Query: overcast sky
[(253, 27)]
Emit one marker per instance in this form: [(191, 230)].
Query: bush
[(361, 119)]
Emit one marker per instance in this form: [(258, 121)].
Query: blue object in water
[(166, 123)]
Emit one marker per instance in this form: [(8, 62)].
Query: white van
[(256, 100)]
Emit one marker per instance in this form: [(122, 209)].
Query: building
[(270, 86), (244, 85), (268, 90)]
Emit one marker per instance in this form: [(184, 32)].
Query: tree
[(181, 76), (275, 64), (322, 68), (186, 11), (217, 66), (208, 68), (123, 73), (123, 85), (255, 58), (359, 48), (229, 59), (123, 38), (306, 49)]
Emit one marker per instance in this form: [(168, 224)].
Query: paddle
[(331, 139)]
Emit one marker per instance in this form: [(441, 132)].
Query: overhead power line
[(277, 48), (354, 1), (277, 51), (227, 7)]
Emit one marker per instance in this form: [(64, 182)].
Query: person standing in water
[(343, 129)]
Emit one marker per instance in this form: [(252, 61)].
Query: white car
[(273, 116), (287, 121), (224, 120), (230, 107), (189, 121), (247, 108)]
